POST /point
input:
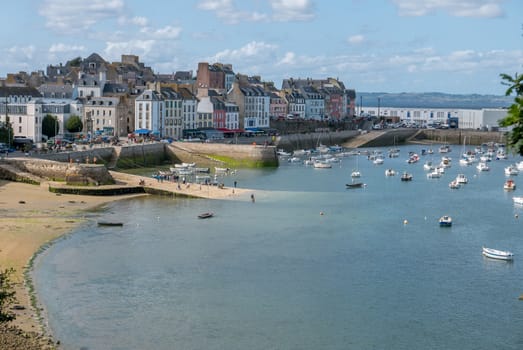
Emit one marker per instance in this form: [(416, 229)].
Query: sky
[(450, 46)]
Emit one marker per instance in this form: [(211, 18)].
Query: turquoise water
[(275, 274)]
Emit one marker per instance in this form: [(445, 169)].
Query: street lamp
[(7, 125), (378, 108)]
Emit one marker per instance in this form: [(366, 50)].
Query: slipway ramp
[(363, 139)]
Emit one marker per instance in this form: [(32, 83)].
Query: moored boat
[(109, 223), (390, 172), (482, 166), (462, 179), (498, 254), (354, 185), (206, 215), (454, 184), (445, 221), (406, 176), (321, 164), (518, 200), (509, 185), (511, 170)]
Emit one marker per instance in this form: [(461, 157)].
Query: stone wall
[(143, 155), (458, 136), (102, 155), (70, 173), (237, 155)]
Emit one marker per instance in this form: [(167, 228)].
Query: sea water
[(309, 265)]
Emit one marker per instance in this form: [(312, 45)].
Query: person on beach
[(252, 198)]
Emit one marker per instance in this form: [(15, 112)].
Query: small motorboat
[(355, 173), (390, 172), (462, 179), (354, 185), (445, 221), (482, 166), (509, 185), (511, 170), (206, 215), (406, 176), (497, 254), (454, 184), (321, 164), (109, 223), (518, 200)]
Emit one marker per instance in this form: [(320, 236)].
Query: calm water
[(276, 274)]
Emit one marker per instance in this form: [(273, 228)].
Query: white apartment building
[(232, 116), (467, 118), (149, 112)]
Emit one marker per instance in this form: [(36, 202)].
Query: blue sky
[(453, 46)]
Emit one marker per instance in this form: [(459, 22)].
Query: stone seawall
[(292, 142), (459, 136), (233, 155), (102, 155), (70, 173)]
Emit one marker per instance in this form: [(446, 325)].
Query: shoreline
[(32, 218)]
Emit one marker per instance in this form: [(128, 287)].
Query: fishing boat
[(497, 254), (509, 185), (445, 221), (206, 215)]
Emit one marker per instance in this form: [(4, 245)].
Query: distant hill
[(432, 100)]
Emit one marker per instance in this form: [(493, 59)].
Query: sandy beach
[(31, 216)]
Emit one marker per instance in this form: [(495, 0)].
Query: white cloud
[(167, 32), (458, 8), (60, 47), (73, 15), (288, 59), (22, 52), (253, 49), (142, 48), (356, 39), (137, 21), (280, 11), (292, 10)]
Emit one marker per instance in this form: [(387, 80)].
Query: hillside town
[(126, 98)]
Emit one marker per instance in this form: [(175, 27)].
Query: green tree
[(7, 295), (50, 125), (514, 116), (74, 124), (6, 134)]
